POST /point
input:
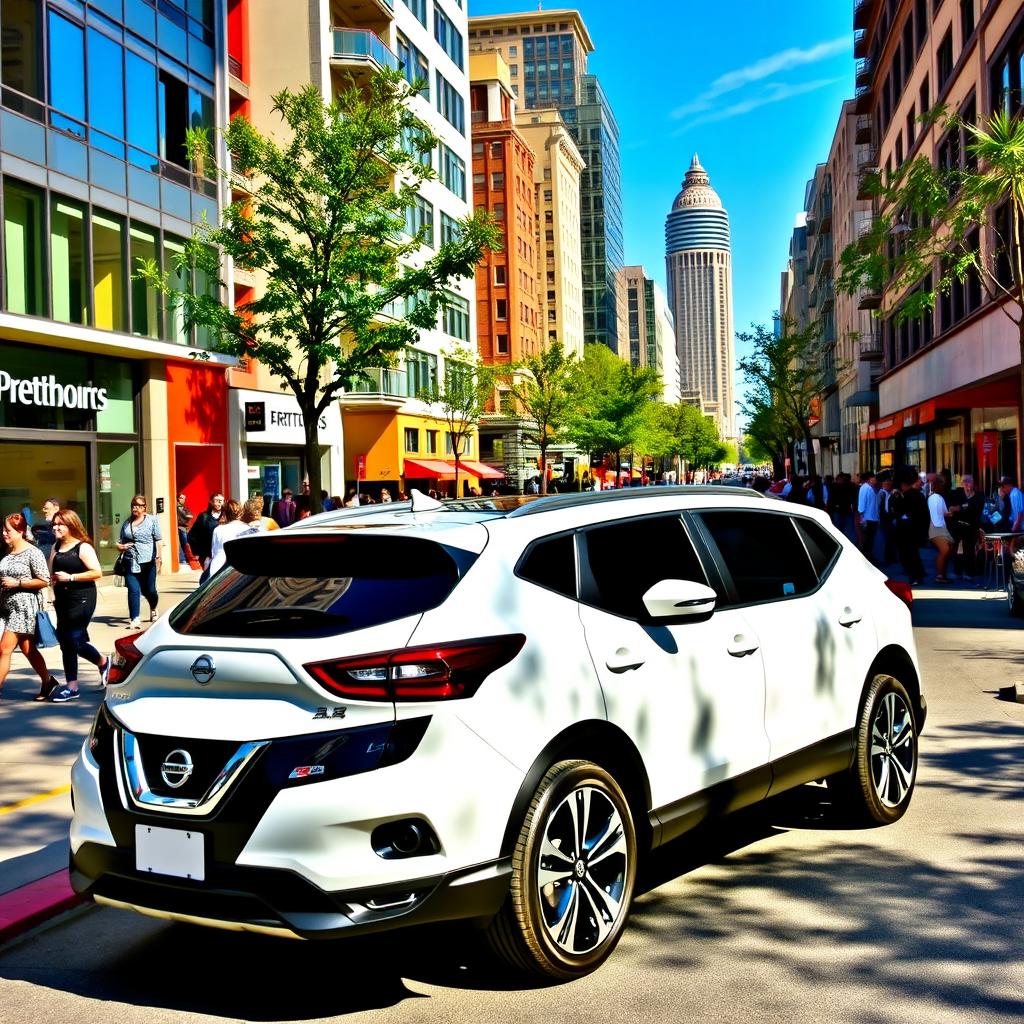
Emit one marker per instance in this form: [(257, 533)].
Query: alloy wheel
[(892, 750)]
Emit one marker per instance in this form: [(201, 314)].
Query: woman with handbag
[(140, 542), (23, 576), (74, 569)]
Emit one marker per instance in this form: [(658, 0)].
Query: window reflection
[(22, 67), (177, 278), (68, 263), (145, 303), (108, 272), (23, 248), (106, 92), (67, 73)]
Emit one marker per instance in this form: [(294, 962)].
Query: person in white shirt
[(231, 527), (867, 514), (938, 527), (1008, 488)]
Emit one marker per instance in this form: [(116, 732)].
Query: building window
[(497, 180), (414, 65), (431, 442), (23, 249), (500, 275), (412, 439), (966, 21), (448, 36), (502, 344), (68, 266), (419, 218), (143, 246), (421, 373), (920, 23), (419, 8), (501, 309), (452, 172), (450, 104), (455, 316), (451, 230), (108, 272), (496, 150), (22, 65), (944, 58), (963, 297)]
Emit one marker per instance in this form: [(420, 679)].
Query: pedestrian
[(200, 537), (938, 529), (43, 531), (185, 517), (964, 526), (266, 522), (74, 569), (230, 528), (140, 536), (885, 518), (284, 512), (23, 575), (867, 514), (1013, 503), (326, 504), (351, 498), (252, 516), (904, 520)]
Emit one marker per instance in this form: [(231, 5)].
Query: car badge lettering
[(329, 713), (203, 669), (306, 771), (176, 768)]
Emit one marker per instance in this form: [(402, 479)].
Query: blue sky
[(754, 87)]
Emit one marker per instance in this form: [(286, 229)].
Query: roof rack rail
[(571, 499)]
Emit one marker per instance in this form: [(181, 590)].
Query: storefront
[(271, 454), (69, 429)]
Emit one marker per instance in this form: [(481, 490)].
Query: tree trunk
[(457, 444), (309, 422)]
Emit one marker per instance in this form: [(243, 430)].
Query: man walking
[(42, 532), (867, 514), (185, 517), (284, 513), (200, 537)]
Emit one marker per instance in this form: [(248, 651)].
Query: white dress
[(18, 607)]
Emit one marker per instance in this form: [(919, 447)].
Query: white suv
[(489, 710)]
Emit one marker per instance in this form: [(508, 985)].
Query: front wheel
[(573, 872), (880, 783)]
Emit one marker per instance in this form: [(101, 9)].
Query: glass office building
[(95, 101)]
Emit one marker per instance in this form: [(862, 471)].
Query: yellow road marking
[(18, 804)]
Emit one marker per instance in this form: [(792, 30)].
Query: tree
[(545, 388), (323, 218), (786, 373), (463, 397), (927, 235), (767, 437)]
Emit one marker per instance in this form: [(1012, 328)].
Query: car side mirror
[(678, 600)]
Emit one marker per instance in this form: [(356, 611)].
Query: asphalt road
[(781, 916)]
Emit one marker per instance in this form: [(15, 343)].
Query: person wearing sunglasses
[(140, 536)]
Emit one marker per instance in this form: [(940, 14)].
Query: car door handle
[(623, 660), (849, 617), (742, 645)]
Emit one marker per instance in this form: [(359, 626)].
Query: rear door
[(690, 696)]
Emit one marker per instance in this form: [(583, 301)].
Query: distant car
[(489, 709)]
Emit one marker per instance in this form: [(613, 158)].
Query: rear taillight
[(902, 590), (125, 657), (436, 672)]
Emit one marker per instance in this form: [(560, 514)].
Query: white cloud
[(761, 69)]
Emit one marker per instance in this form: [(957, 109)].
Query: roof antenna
[(423, 502)]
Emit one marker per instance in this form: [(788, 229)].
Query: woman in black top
[(74, 569)]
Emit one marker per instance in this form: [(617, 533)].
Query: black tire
[(880, 783), (1013, 599), (567, 927)]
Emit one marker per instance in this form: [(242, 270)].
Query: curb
[(32, 904)]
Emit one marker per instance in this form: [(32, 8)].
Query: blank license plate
[(170, 851)]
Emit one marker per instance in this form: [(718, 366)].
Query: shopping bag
[(46, 635)]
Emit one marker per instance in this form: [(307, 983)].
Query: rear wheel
[(880, 783), (573, 872)]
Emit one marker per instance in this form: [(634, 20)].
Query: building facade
[(698, 266), (948, 396), (556, 174), (547, 56), (650, 330), (102, 393), (390, 428)]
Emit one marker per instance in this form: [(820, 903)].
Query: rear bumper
[(283, 903)]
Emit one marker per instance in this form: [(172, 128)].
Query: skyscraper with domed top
[(698, 268)]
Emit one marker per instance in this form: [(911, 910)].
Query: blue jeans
[(141, 584), (75, 642), (182, 544)]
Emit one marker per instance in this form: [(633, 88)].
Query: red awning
[(429, 469), (481, 470)]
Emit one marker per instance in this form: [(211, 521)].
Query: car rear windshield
[(296, 585)]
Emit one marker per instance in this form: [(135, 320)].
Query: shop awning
[(429, 469), (865, 397), (479, 469)]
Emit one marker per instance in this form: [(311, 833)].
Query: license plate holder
[(170, 851)]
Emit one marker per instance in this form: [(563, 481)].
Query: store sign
[(48, 391), (255, 416)]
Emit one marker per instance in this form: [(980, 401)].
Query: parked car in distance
[(489, 710)]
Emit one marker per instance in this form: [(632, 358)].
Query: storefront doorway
[(30, 473)]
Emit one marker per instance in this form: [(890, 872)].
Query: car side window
[(822, 548), (622, 561), (551, 563), (763, 553)]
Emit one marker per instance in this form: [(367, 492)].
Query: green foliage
[(322, 219), (682, 431)]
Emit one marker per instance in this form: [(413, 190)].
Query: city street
[(779, 916)]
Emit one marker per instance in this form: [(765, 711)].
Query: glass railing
[(383, 382), (351, 42)]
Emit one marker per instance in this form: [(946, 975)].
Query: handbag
[(46, 635), (123, 562)]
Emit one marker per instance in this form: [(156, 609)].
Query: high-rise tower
[(698, 267)]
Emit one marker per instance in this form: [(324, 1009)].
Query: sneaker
[(153, 615), (65, 693), (105, 671), (135, 624)]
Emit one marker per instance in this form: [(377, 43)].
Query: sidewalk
[(38, 744)]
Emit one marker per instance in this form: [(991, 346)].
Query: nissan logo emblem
[(203, 669), (176, 768)]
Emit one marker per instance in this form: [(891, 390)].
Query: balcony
[(361, 54), (861, 43), (871, 346), (865, 72), (825, 294), (867, 182), (821, 258), (376, 15), (823, 212), (865, 129), (384, 387), (862, 11), (870, 300)]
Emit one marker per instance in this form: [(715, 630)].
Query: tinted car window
[(763, 553), (551, 563), (624, 560), (297, 585), (822, 547)]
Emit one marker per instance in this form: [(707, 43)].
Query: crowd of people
[(893, 515)]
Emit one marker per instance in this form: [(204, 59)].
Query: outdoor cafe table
[(997, 566)]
